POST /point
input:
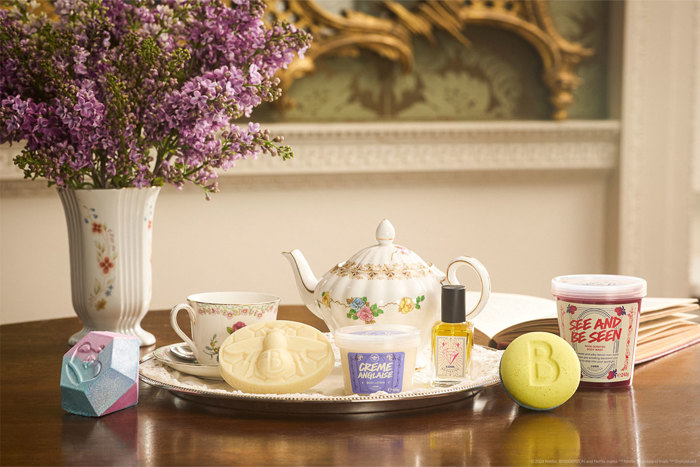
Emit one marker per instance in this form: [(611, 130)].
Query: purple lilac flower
[(117, 93)]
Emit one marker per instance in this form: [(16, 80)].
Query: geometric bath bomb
[(99, 374)]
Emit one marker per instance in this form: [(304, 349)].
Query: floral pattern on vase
[(106, 257)]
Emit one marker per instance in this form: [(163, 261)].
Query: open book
[(665, 325)]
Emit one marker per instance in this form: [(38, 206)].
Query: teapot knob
[(385, 232)]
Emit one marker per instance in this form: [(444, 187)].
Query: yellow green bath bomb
[(540, 371)]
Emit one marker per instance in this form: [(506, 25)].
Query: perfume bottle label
[(372, 372), (450, 356), (603, 336)]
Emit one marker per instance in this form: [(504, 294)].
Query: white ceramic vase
[(109, 235)]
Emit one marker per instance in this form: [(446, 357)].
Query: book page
[(652, 315), (665, 321), (651, 304), (660, 347), (649, 335), (506, 336), (504, 310)]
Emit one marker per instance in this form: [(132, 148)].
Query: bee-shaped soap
[(275, 357)]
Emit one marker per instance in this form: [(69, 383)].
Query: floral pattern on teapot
[(380, 271), (359, 308), (407, 304)]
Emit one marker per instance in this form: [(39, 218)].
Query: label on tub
[(373, 372), (603, 336)]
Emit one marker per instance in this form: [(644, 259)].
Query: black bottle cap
[(453, 303)]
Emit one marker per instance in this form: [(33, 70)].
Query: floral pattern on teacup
[(231, 311), (213, 348), (235, 327)]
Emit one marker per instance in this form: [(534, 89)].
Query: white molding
[(696, 108), (446, 147), (631, 139), (366, 148), (657, 143), (695, 223)]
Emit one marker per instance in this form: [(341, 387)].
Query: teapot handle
[(483, 277)]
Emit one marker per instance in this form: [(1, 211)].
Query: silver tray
[(155, 373)]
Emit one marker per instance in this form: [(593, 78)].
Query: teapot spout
[(305, 278)]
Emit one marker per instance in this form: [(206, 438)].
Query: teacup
[(216, 315)]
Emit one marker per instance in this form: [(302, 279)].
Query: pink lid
[(599, 287)]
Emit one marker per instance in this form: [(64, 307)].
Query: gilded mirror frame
[(391, 36)]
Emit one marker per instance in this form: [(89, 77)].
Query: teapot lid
[(385, 260)]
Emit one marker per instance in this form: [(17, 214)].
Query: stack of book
[(665, 326)]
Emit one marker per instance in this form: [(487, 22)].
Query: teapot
[(385, 283)]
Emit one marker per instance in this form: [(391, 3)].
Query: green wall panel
[(498, 77)]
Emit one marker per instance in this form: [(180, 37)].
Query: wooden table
[(658, 422)]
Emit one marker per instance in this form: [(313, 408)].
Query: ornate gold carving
[(391, 37), (381, 271), (339, 35)]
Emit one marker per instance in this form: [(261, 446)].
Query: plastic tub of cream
[(599, 316), (377, 357)]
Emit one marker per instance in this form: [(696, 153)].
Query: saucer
[(165, 355)]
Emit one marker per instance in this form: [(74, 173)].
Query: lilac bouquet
[(118, 93)]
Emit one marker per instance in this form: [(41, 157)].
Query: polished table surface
[(656, 422)]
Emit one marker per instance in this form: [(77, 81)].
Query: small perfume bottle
[(452, 339)]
